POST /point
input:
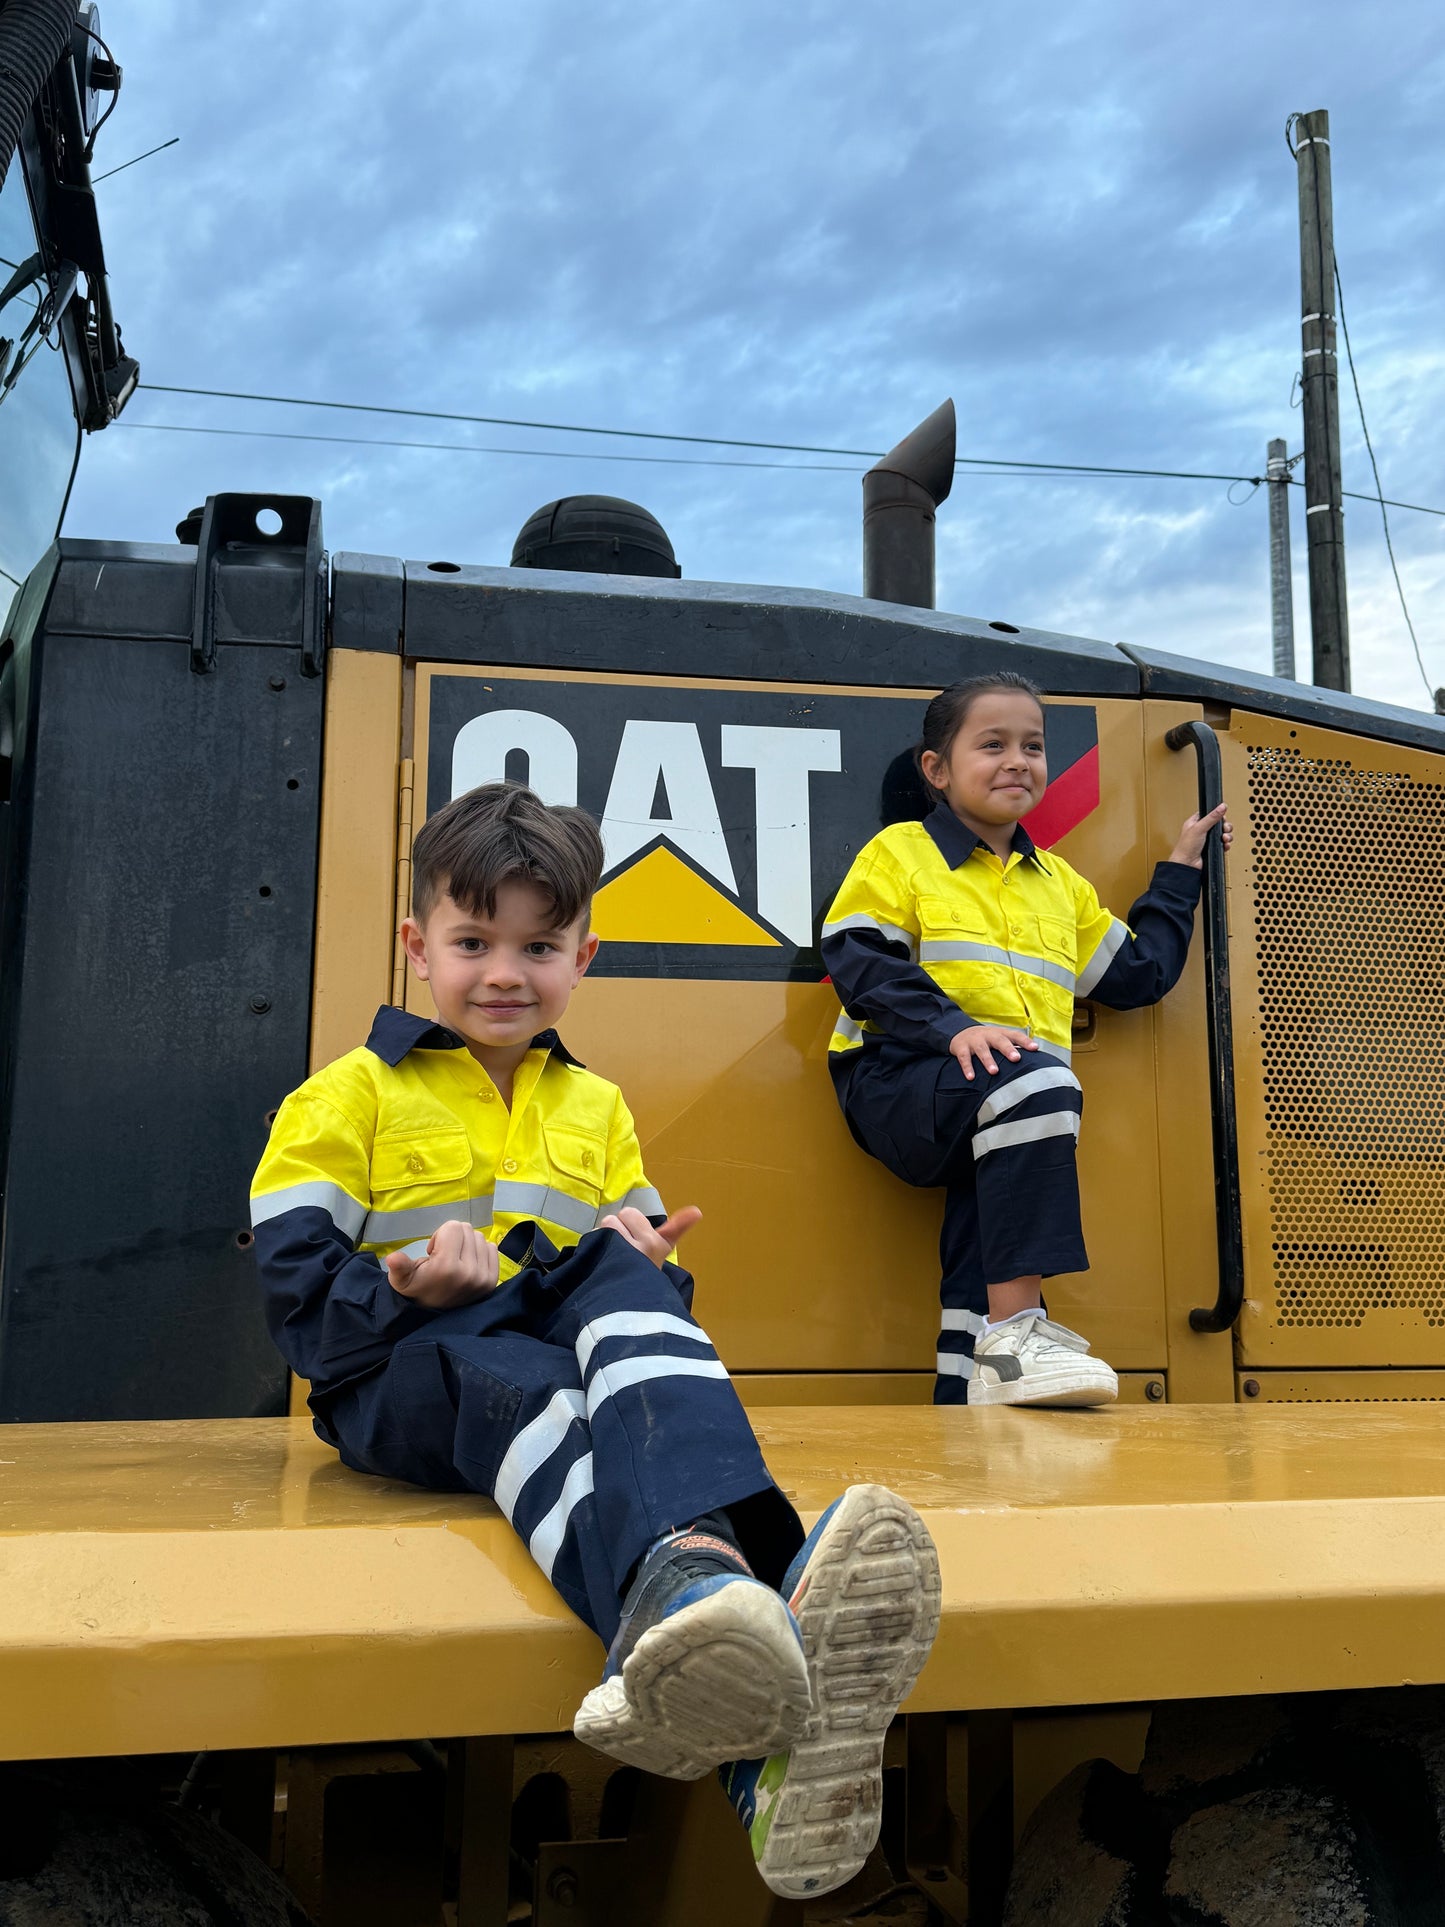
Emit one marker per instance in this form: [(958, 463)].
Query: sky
[(807, 224)]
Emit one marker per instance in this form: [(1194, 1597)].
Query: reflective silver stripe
[(535, 1444), (642, 1198), (400, 1227), (518, 1200), (860, 920), (608, 1380), (635, 1324), (845, 1028), (1112, 942), (546, 1542), (1028, 1130), (1056, 1078), (954, 1365), (344, 1211), (959, 952), (962, 1321), (416, 1249)]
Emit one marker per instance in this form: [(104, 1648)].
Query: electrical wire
[(1000, 463), (477, 448), (1379, 495), (1002, 472), (115, 91)]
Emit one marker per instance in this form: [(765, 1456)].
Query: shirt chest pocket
[(1058, 940), (943, 921), (421, 1161), (578, 1163)]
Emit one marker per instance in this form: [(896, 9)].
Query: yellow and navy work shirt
[(931, 932), (378, 1150)]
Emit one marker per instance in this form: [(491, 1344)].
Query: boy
[(460, 1251)]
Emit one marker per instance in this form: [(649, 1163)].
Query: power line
[(478, 448), (1000, 467), (1379, 494), (703, 441)]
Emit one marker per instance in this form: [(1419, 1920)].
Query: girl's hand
[(1190, 847), (459, 1267), (657, 1242), (982, 1040)]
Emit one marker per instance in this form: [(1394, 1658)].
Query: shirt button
[(509, 1164), (587, 1160), (487, 1095), (1016, 929), (415, 1162)]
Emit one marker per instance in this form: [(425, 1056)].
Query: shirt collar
[(957, 843), (396, 1032)]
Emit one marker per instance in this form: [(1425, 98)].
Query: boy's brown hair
[(504, 833)]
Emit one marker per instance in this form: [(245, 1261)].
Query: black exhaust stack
[(900, 496)]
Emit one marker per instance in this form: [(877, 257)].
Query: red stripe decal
[(1066, 802)]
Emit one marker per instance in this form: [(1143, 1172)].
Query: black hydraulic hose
[(34, 34), (1229, 1229)]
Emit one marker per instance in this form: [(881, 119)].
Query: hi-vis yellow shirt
[(378, 1150), (932, 932)]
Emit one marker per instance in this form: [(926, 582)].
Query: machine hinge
[(403, 877)]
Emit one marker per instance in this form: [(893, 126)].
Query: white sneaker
[(1033, 1361)]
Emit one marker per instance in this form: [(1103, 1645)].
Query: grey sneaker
[(1033, 1361)]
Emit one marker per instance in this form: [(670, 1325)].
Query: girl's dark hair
[(948, 712), (504, 833)]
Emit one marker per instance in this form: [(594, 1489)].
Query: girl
[(957, 950)]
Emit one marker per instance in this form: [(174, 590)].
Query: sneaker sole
[(868, 1616), (1057, 1388), (723, 1680)]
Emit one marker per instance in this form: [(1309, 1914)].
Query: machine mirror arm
[(1229, 1229)]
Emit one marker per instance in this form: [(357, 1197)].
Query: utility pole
[(1324, 502), (1281, 573)]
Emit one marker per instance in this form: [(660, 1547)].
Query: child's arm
[(870, 950), (331, 1309), (1128, 965)]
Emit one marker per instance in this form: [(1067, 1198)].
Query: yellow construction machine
[(1191, 1647)]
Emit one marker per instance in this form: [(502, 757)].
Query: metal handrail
[(1229, 1228)]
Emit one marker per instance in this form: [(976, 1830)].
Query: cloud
[(804, 224)]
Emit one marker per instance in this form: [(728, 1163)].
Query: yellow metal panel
[(1339, 998), (1200, 1363), (171, 1587), (1343, 1388), (356, 869), (810, 1255)]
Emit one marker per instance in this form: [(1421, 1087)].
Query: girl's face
[(995, 770)]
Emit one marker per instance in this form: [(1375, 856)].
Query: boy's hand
[(460, 1267), (1190, 847), (982, 1040), (657, 1242)]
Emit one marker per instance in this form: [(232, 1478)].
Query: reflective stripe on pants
[(584, 1400), (1002, 1147)]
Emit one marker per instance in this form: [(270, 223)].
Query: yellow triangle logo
[(661, 900)]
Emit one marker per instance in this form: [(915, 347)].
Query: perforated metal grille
[(1349, 889)]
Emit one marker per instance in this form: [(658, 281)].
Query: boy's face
[(995, 770), (498, 980)]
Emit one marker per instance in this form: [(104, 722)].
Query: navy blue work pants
[(584, 1399), (1002, 1147)]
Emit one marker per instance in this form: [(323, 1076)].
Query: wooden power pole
[(1324, 502), (1281, 572)]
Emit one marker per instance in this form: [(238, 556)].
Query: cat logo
[(728, 814)]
